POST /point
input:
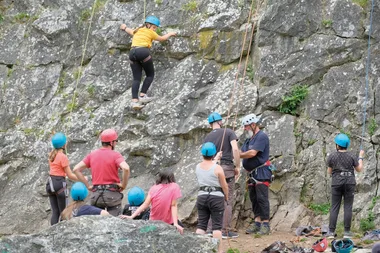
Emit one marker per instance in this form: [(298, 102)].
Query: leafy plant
[(85, 15), (158, 2), (362, 3), (348, 133), (91, 90), (291, 102), (230, 250), (77, 73), (372, 126), (320, 208), (250, 72), (368, 222), (1, 18), (192, 5)]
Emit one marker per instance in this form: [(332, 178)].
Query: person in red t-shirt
[(56, 184), (163, 197), (104, 164)]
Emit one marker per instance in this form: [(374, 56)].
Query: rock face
[(108, 234), (64, 67)]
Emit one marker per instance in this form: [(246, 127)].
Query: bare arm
[(166, 36), (174, 209), (359, 168), (126, 171), (222, 181), (249, 154), (128, 30), (139, 210), (78, 172), (329, 170), (104, 213), (236, 153), (70, 174)]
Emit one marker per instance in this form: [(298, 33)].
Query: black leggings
[(140, 59), (57, 201), (259, 196), (347, 192)]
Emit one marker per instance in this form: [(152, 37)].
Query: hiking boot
[(330, 235), (145, 99), (348, 235), (137, 105), (253, 229), (264, 230), (229, 234)]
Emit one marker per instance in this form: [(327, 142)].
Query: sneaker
[(229, 234), (145, 99), (330, 235), (264, 230), (348, 235), (137, 105), (253, 229)]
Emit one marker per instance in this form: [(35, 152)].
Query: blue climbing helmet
[(342, 140), (213, 117), (136, 196), (79, 191), (344, 246), (58, 140), (208, 149), (153, 20)]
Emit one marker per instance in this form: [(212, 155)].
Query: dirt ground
[(249, 244)]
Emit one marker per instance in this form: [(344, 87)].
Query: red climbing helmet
[(108, 135), (320, 245)]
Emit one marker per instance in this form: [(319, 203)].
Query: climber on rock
[(225, 140), (136, 197), (141, 58), (105, 163), (255, 154)]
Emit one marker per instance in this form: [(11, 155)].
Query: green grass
[(372, 126), (327, 23), (77, 73), (250, 72), (85, 15), (22, 17), (1, 18), (192, 5), (362, 3), (91, 90), (295, 97), (320, 208), (158, 2), (368, 223)]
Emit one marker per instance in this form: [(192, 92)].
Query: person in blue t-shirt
[(78, 207), (255, 154)]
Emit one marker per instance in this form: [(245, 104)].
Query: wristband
[(362, 158)]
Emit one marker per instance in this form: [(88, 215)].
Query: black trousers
[(347, 192), (140, 59), (57, 201), (259, 196)]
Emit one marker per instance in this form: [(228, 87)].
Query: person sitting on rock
[(59, 169), (141, 59), (212, 194), (136, 197), (163, 198), (78, 207)]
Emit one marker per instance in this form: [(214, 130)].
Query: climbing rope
[(73, 100), (144, 10), (366, 75)]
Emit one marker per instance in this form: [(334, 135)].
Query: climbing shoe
[(330, 235), (253, 229), (137, 105), (348, 235), (264, 230), (229, 234), (145, 99)]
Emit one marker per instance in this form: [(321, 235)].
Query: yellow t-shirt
[(144, 37)]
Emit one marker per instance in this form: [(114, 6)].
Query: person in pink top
[(105, 163), (163, 198)]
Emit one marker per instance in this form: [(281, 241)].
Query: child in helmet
[(78, 207), (342, 165), (213, 191), (59, 169), (163, 197), (136, 197), (141, 59)]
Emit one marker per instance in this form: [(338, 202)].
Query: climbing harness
[(367, 74), (210, 189)]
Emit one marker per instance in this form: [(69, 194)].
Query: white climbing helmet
[(249, 119)]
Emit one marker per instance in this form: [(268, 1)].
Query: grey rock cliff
[(45, 88)]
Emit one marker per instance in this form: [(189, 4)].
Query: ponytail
[(67, 213), (53, 154), (142, 26)]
